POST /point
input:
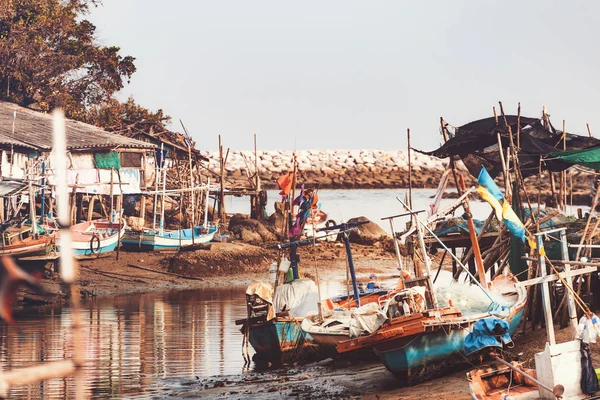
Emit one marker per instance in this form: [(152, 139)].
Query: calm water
[(343, 204), (136, 345)]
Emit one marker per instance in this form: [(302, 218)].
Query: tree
[(49, 57)]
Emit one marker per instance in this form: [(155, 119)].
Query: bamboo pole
[(222, 183), (192, 196), (519, 126), (473, 235), (409, 171), (517, 168), (588, 129), (112, 193)]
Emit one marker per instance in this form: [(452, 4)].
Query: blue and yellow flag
[(490, 192)]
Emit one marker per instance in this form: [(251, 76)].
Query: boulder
[(367, 234), (243, 226)]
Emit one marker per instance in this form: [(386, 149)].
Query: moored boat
[(167, 239), (95, 237), (19, 241)]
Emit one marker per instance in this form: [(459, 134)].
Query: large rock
[(250, 230), (367, 234)]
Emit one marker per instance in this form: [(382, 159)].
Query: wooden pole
[(156, 182), (519, 126), (546, 295), (504, 167), (192, 195), (474, 242), (32, 201), (569, 280), (222, 183), (112, 194), (409, 171), (588, 129), (162, 204), (205, 225)]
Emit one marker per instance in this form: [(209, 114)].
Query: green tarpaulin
[(107, 160), (588, 157)]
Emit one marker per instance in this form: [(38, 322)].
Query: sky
[(349, 74)]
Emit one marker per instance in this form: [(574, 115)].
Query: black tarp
[(476, 144)]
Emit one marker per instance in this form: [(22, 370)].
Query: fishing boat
[(426, 341), (275, 314), (19, 241), (95, 237), (149, 239), (426, 338)]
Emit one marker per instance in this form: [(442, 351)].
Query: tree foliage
[(49, 57)]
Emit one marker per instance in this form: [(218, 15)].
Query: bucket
[(285, 265)]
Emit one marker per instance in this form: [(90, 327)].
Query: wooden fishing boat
[(95, 237), (167, 239), (427, 341), (494, 381), (19, 241), (275, 316)]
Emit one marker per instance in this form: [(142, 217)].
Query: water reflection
[(132, 342)]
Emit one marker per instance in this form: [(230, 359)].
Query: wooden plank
[(551, 278)]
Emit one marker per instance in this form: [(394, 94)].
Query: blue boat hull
[(88, 252), (420, 357), (167, 240), (277, 341)]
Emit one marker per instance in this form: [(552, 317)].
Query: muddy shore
[(219, 264)]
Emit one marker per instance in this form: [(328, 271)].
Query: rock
[(240, 223), (249, 236), (367, 234)]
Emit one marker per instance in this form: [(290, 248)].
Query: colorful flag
[(490, 192)]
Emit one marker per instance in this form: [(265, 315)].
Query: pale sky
[(351, 74)]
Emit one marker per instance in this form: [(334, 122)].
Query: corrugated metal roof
[(34, 129), (8, 188)]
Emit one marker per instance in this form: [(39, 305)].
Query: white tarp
[(360, 321), (366, 319), (299, 297)]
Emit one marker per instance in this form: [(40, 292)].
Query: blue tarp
[(457, 225), (487, 332)]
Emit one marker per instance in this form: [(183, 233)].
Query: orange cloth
[(285, 183)]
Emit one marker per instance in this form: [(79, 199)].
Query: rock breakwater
[(334, 168)]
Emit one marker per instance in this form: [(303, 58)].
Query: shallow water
[(135, 343)]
